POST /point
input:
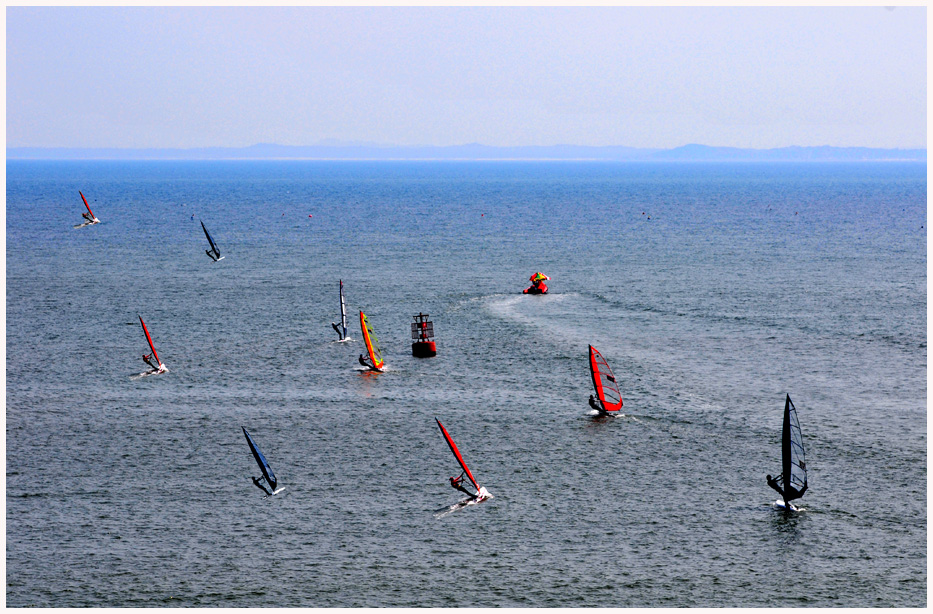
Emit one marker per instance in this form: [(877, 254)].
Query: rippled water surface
[(712, 290)]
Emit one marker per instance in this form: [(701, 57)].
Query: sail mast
[(149, 339), (453, 448)]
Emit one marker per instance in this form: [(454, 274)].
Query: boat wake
[(560, 315)]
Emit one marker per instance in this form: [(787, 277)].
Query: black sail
[(794, 462)]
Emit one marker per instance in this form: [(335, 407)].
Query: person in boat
[(147, 358), (537, 287), (790, 494), (259, 485), (457, 482)]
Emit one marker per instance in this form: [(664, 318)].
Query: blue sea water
[(712, 289)]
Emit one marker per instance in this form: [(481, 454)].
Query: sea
[(713, 290)]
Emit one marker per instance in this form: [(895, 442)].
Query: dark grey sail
[(793, 479)]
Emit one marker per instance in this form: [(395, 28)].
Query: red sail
[(453, 448), (607, 389), (149, 339), (85, 204)]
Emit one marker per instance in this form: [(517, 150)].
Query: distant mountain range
[(365, 151)]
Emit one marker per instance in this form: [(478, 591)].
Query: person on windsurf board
[(213, 253), (790, 494), (595, 404), (152, 359), (792, 482), (341, 329), (267, 475), (147, 358), (607, 398), (89, 215), (457, 483), (258, 483), (375, 362)]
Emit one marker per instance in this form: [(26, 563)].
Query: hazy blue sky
[(643, 77)]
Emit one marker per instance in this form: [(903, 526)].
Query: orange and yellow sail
[(372, 343)]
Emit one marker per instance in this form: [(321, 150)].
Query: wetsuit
[(791, 493), (260, 486), (596, 405), (458, 484)]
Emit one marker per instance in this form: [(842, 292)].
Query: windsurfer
[(147, 358), (791, 494), (457, 483), (364, 362), (259, 485), (595, 404), (338, 329), (88, 217)]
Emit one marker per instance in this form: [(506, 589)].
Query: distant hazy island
[(366, 151)]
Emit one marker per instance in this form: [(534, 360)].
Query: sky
[(185, 77)]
